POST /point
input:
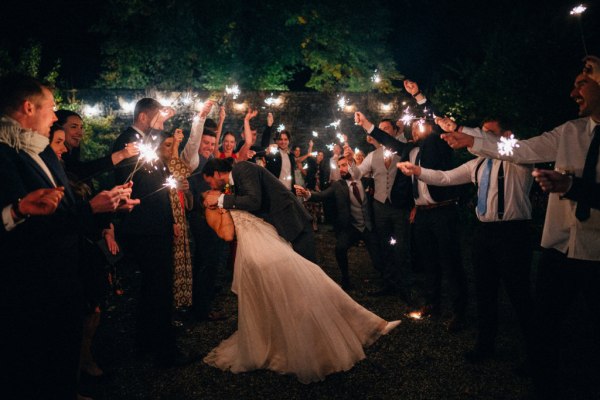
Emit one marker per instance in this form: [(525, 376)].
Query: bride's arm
[(219, 219)]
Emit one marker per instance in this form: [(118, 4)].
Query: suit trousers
[(304, 243), (560, 280), (154, 256), (346, 238), (395, 267), (502, 252), (438, 245)]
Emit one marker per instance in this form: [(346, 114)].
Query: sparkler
[(281, 127), (356, 150), (415, 315), (334, 124), (421, 124), (314, 154), (407, 116), (330, 146), (392, 241), (340, 137), (506, 145), (578, 12), (147, 155), (305, 166), (387, 153), (273, 150), (315, 134), (233, 91), (170, 182), (342, 103), (376, 78)]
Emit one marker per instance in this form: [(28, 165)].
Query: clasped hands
[(115, 199)]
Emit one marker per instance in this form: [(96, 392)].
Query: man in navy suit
[(148, 234), (354, 220), (40, 291)]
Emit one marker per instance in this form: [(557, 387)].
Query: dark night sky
[(427, 34)]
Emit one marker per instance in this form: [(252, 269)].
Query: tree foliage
[(259, 45)]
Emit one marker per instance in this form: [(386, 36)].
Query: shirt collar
[(231, 182)]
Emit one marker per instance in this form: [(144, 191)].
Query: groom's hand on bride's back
[(211, 198)]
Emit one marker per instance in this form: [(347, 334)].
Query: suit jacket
[(435, 154), (40, 255), (153, 216), (273, 161), (341, 193), (256, 190)]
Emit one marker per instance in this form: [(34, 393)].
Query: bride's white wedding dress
[(292, 318)]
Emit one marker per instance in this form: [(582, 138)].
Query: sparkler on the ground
[(315, 134), (507, 145), (415, 315), (578, 12), (281, 127), (334, 124)]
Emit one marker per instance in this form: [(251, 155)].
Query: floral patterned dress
[(182, 260)]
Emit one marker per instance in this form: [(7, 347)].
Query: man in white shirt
[(571, 240), (504, 210)]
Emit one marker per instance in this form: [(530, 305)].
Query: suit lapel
[(39, 171), (58, 172)]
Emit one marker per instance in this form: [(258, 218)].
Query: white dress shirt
[(285, 175), (517, 184), (567, 145), (424, 198)]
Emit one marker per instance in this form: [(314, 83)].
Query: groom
[(249, 187)]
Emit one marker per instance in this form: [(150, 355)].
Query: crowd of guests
[(399, 200)]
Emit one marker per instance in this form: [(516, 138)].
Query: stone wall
[(300, 112)]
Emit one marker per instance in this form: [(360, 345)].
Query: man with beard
[(354, 220)]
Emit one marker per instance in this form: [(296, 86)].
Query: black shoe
[(174, 359), (479, 355)]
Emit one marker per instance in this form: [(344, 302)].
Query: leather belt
[(437, 205)]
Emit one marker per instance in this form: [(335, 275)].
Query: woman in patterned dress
[(181, 199)]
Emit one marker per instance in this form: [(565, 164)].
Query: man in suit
[(354, 220), (391, 206), (256, 190), (40, 293), (279, 160), (148, 235), (504, 212), (570, 260)]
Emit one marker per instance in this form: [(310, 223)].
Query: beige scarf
[(20, 139)]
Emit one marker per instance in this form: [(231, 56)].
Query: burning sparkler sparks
[(281, 127), (578, 10), (392, 241), (273, 150), (342, 103), (376, 78), (233, 91), (334, 124), (387, 153), (507, 145), (330, 146), (407, 116), (315, 134), (170, 182)]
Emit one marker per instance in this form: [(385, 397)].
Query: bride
[(292, 318)]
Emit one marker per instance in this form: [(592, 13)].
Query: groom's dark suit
[(40, 291), (148, 234), (258, 191)]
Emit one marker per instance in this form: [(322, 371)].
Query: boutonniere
[(228, 189)]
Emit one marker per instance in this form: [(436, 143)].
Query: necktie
[(415, 180), (484, 184), (356, 192), (582, 212), (501, 190)]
